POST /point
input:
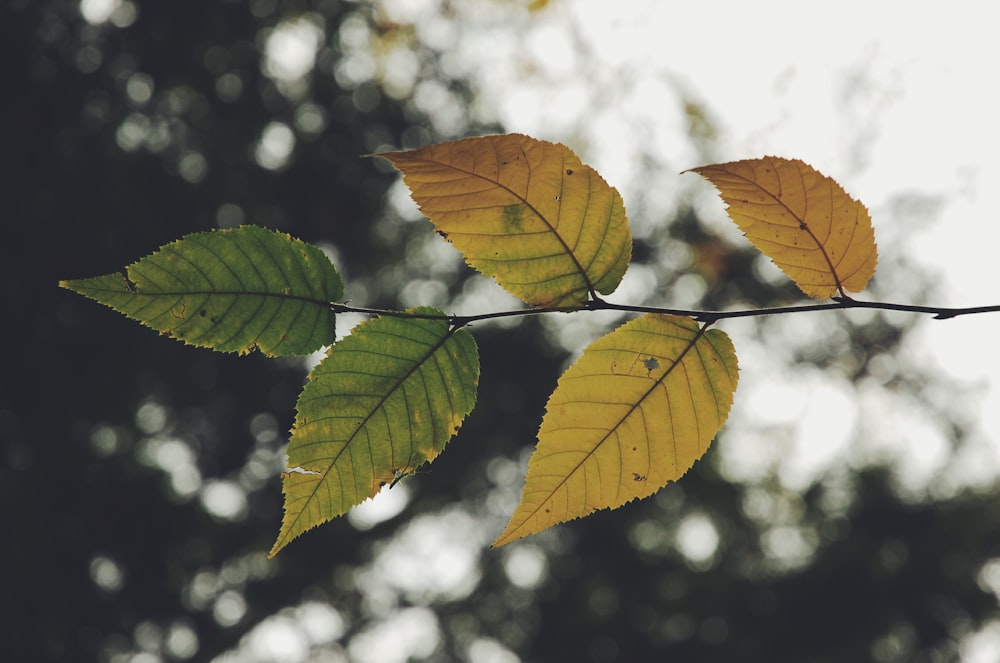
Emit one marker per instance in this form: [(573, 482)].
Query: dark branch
[(838, 303)]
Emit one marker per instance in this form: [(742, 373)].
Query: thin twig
[(838, 304)]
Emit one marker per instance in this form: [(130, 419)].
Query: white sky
[(890, 99)]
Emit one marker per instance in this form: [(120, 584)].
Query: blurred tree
[(139, 478)]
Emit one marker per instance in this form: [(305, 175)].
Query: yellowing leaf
[(802, 220), (231, 290), (635, 412), (385, 399), (526, 212)]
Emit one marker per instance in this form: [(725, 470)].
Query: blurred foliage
[(139, 478)]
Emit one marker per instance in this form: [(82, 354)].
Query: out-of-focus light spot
[(354, 33), (989, 577), (193, 167), (423, 292), (124, 14), (264, 428), (181, 641), (148, 636), (229, 608), (290, 49), (278, 638), (310, 118), (687, 290), (409, 634), (229, 87), (677, 627), (400, 69), (166, 453), (158, 138), (178, 100), (697, 539), (788, 547), (185, 481), (151, 417), (225, 500), (435, 557), (306, 633), (105, 441), (275, 146), (388, 504), (96, 12), (201, 591), (487, 650), (896, 645), (526, 566), (106, 573), (650, 536), (176, 458), (229, 215), (321, 623), (503, 471), (139, 88), (132, 132), (88, 59), (354, 69), (983, 646)]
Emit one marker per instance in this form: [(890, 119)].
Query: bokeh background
[(847, 512)]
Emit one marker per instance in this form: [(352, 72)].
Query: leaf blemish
[(129, 283), (512, 218), (300, 470), (569, 171), (638, 477), (651, 364)]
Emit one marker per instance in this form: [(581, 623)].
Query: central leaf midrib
[(224, 293), (803, 225), (569, 252)]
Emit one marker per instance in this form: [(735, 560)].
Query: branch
[(838, 303)]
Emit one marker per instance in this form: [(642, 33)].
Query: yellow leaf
[(526, 212), (635, 412), (802, 220)]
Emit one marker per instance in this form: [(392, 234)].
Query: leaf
[(232, 290), (634, 412), (526, 212), (384, 400), (802, 220)]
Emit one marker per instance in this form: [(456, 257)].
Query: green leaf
[(634, 412), (386, 399), (232, 290)]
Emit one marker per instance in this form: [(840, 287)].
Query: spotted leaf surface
[(233, 290), (526, 212), (634, 412)]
